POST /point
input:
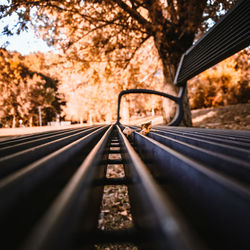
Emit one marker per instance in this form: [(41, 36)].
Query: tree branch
[(137, 16), (172, 11), (136, 49)]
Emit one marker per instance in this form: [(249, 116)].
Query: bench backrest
[(228, 36)]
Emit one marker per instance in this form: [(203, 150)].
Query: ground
[(228, 117)]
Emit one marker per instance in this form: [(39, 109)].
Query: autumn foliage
[(224, 84), (23, 91), (89, 94), (111, 33), (104, 47)]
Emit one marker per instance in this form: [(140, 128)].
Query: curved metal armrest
[(177, 99)]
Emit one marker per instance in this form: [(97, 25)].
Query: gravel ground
[(115, 201), (115, 210)]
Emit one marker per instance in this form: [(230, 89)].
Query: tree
[(114, 30), (96, 87), (23, 91), (224, 84)]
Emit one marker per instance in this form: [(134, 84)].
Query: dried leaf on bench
[(146, 127), (127, 131)]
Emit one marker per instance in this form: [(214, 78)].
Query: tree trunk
[(170, 106), (187, 119), (108, 117), (124, 110), (14, 121), (171, 41), (31, 121), (90, 120)]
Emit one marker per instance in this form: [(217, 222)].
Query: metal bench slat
[(153, 211), (26, 194), (225, 30), (23, 181), (32, 142), (19, 159), (208, 144), (207, 196), (209, 137), (202, 64), (236, 168), (223, 40), (12, 140), (243, 137), (72, 211)]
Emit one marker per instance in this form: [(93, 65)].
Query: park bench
[(189, 188)]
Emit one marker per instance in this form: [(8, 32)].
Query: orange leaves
[(222, 84), (23, 90), (146, 127)]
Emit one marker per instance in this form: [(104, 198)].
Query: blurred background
[(65, 62)]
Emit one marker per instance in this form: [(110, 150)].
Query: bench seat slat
[(76, 208), (236, 168), (215, 204), (18, 160)]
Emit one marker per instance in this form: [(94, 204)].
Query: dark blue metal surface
[(215, 204)]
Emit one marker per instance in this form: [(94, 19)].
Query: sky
[(25, 43)]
